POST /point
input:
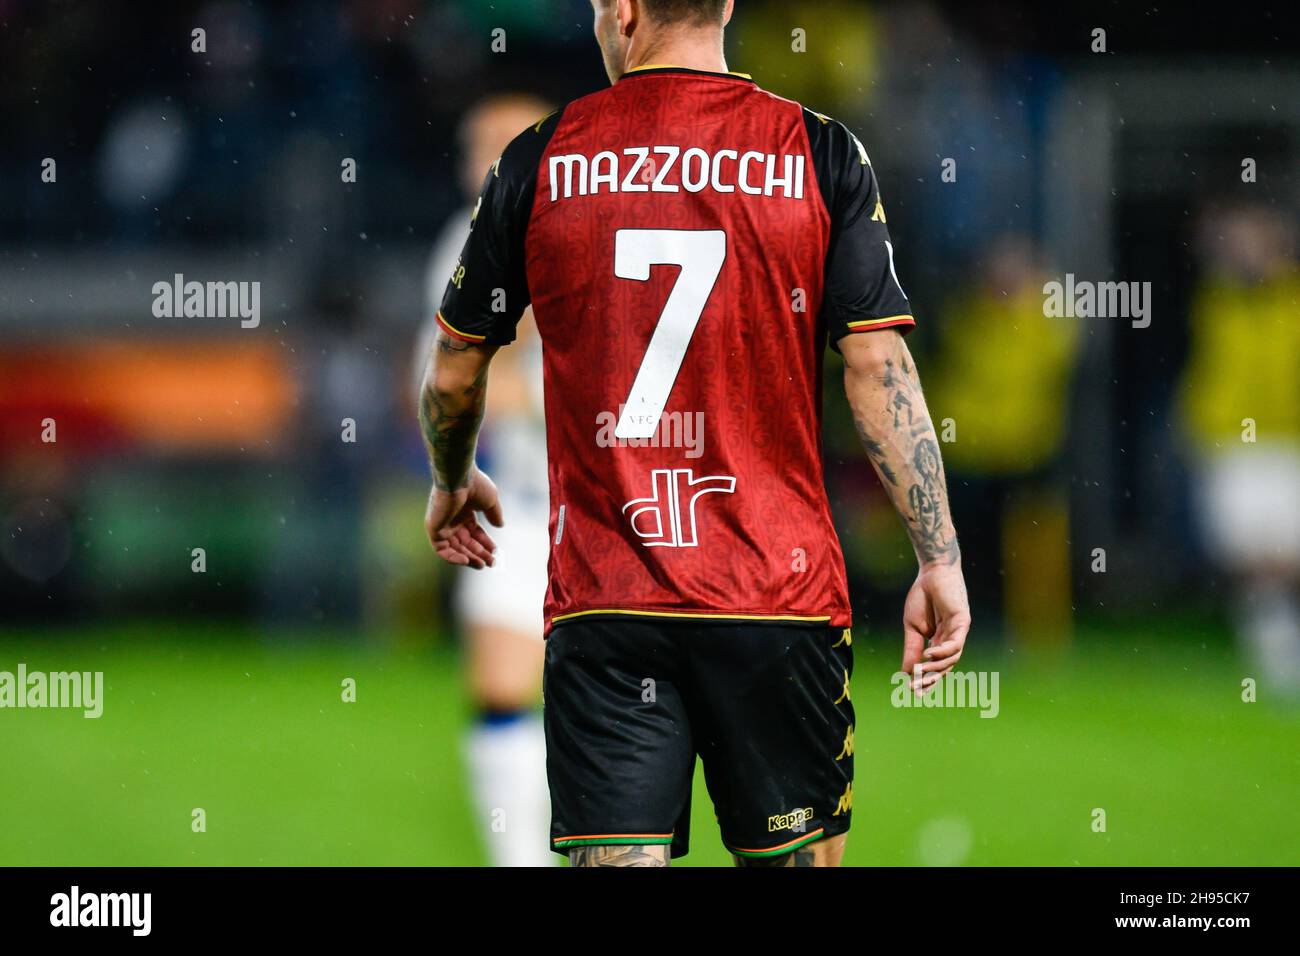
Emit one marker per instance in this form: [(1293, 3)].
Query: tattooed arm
[(889, 410), (452, 400)]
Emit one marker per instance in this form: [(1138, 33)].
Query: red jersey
[(689, 244)]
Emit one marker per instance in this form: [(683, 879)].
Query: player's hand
[(936, 618), (453, 528)]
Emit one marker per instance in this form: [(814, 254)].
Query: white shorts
[(1250, 505), (509, 594)]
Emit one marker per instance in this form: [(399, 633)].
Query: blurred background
[(1128, 497)]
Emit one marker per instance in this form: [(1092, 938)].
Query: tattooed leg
[(826, 852), (619, 856)]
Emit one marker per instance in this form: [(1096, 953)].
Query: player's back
[(676, 234)]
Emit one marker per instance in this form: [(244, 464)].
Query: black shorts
[(630, 703)]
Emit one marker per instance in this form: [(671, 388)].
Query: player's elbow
[(453, 376), (446, 384), (871, 354)]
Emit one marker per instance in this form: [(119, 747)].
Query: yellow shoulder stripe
[(867, 323), (468, 337)]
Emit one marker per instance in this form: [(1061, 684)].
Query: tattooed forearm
[(451, 410), (892, 420), (927, 499), (876, 452), (619, 856)]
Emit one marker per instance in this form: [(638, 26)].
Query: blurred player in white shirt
[(500, 608)]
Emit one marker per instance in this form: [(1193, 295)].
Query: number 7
[(700, 253)]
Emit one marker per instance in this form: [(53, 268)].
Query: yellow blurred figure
[(1003, 371), (1240, 403), (821, 52), (1245, 330), (1000, 385)]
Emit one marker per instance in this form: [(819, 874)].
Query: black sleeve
[(488, 290), (862, 292)]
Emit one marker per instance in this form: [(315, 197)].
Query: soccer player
[(500, 610), (689, 243)]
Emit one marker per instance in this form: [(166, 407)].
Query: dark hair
[(696, 11)]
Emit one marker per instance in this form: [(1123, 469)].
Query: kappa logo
[(667, 518), (794, 820)]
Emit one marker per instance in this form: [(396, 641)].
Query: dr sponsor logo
[(667, 518)]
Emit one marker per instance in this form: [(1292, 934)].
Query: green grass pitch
[(255, 733)]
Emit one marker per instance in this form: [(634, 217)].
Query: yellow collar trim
[(674, 66)]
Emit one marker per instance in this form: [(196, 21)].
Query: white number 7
[(700, 253)]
